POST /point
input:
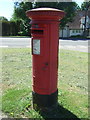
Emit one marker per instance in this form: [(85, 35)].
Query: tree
[(20, 16), (85, 6), (2, 18), (68, 7)]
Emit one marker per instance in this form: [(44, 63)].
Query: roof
[(77, 20)]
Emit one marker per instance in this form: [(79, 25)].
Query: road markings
[(28, 46), (80, 46), (3, 46)]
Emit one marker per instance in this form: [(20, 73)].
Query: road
[(79, 45)]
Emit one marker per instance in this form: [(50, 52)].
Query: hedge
[(9, 28)]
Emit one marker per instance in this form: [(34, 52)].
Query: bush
[(78, 36), (9, 28), (5, 28)]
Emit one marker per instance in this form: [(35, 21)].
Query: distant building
[(77, 26)]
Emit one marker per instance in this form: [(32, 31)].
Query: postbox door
[(40, 64), (44, 51)]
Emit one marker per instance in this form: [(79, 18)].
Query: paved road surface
[(79, 45)]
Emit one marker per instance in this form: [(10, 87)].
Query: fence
[(9, 28)]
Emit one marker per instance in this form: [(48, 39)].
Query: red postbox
[(45, 39)]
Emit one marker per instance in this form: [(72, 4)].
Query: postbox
[(45, 40)]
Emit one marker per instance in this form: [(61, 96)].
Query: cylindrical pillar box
[(45, 39)]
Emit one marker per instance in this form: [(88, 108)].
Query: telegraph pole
[(85, 24), (86, 13)]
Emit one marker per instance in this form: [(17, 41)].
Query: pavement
[(76, 45)]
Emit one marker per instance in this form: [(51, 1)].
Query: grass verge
[(72, 85)]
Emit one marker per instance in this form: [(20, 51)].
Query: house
[(77, 26)]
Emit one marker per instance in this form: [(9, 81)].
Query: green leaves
[(20, 15), (85, 5)]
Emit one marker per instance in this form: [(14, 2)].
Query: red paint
[(45, 27)]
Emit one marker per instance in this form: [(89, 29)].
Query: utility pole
[(85, 24)]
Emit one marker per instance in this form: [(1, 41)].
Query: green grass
[(17, 84)]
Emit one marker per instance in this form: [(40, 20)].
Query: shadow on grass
[(60, 113), (57, 113)]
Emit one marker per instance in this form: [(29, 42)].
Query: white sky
[(7, 7), (79, 2)]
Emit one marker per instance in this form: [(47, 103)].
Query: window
[(73, 31), (76, 31), (79, 31)]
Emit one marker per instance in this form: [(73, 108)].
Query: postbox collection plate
[(36, 46)]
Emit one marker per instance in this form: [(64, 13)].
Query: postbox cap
[(45, 13), (45, 9)]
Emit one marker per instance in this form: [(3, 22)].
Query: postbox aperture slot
[(36, 46), (37, 31)]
